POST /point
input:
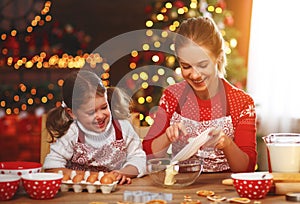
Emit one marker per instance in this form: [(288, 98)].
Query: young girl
[(91, 131)]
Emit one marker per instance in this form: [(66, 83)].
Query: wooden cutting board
[(286, 183), (286, 177)]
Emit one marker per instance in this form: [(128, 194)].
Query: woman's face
[(95, 114), (199, 69)]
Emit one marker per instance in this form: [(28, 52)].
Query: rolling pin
[(282, 188), (286, 177)]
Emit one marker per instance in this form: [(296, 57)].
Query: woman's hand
[(223, 140), (122, 178), (173, 131), (237, 159)]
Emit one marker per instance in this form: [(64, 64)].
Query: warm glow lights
[(105, 76), (211, 8), (50, 96), (16, 98), (161, 71), (30, 101), (16, 111), (168, 5), (227, 48), (8, 111), (33, 91), (233, 43), (156, 44), (164, 34), (165, 71), (178, 71), (144, 75), (132, 65), (155, 78), (172, 47), (44, 99), (3, 36), (171, 59), (146, 47), (193, 5), (39, 60), (22, 87), (105, 67), (149, 99), (2, 103), (218, 10), (149, 23), (4, 51), (171, 80), (48, 18), (135, 77), (176, 23), (29, 29), (149, 33), (23, 107), (134, 53), (141, 100), (155, 58), (160, 17), (141, 116), (145, 85), (172, 28), (163, 10), (60, 82), (180, 11), (13, 33)]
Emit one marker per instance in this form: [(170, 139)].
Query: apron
[(213, 159), (106, 158)]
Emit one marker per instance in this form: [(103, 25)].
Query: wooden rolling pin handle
[(284, 188)]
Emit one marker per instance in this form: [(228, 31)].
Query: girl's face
[(95, 114), (199, 69)]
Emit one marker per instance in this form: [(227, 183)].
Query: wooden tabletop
[(211, 181)]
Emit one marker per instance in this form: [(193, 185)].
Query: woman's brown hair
[(203, 32)]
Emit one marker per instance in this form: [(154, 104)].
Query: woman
[(205, 100)]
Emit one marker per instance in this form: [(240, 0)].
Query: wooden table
[(210, 181)]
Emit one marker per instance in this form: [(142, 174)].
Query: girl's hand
[(223, 140), (122, 178), (173, 131)]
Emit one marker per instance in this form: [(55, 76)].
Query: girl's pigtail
[(58, 122)]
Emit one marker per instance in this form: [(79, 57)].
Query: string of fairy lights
[(165, 15), (14, 100)]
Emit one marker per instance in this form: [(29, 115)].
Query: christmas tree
[(167, 15)]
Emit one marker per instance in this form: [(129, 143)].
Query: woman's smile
[(199, 82)]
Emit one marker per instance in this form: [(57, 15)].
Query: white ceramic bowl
[(42, 185)]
